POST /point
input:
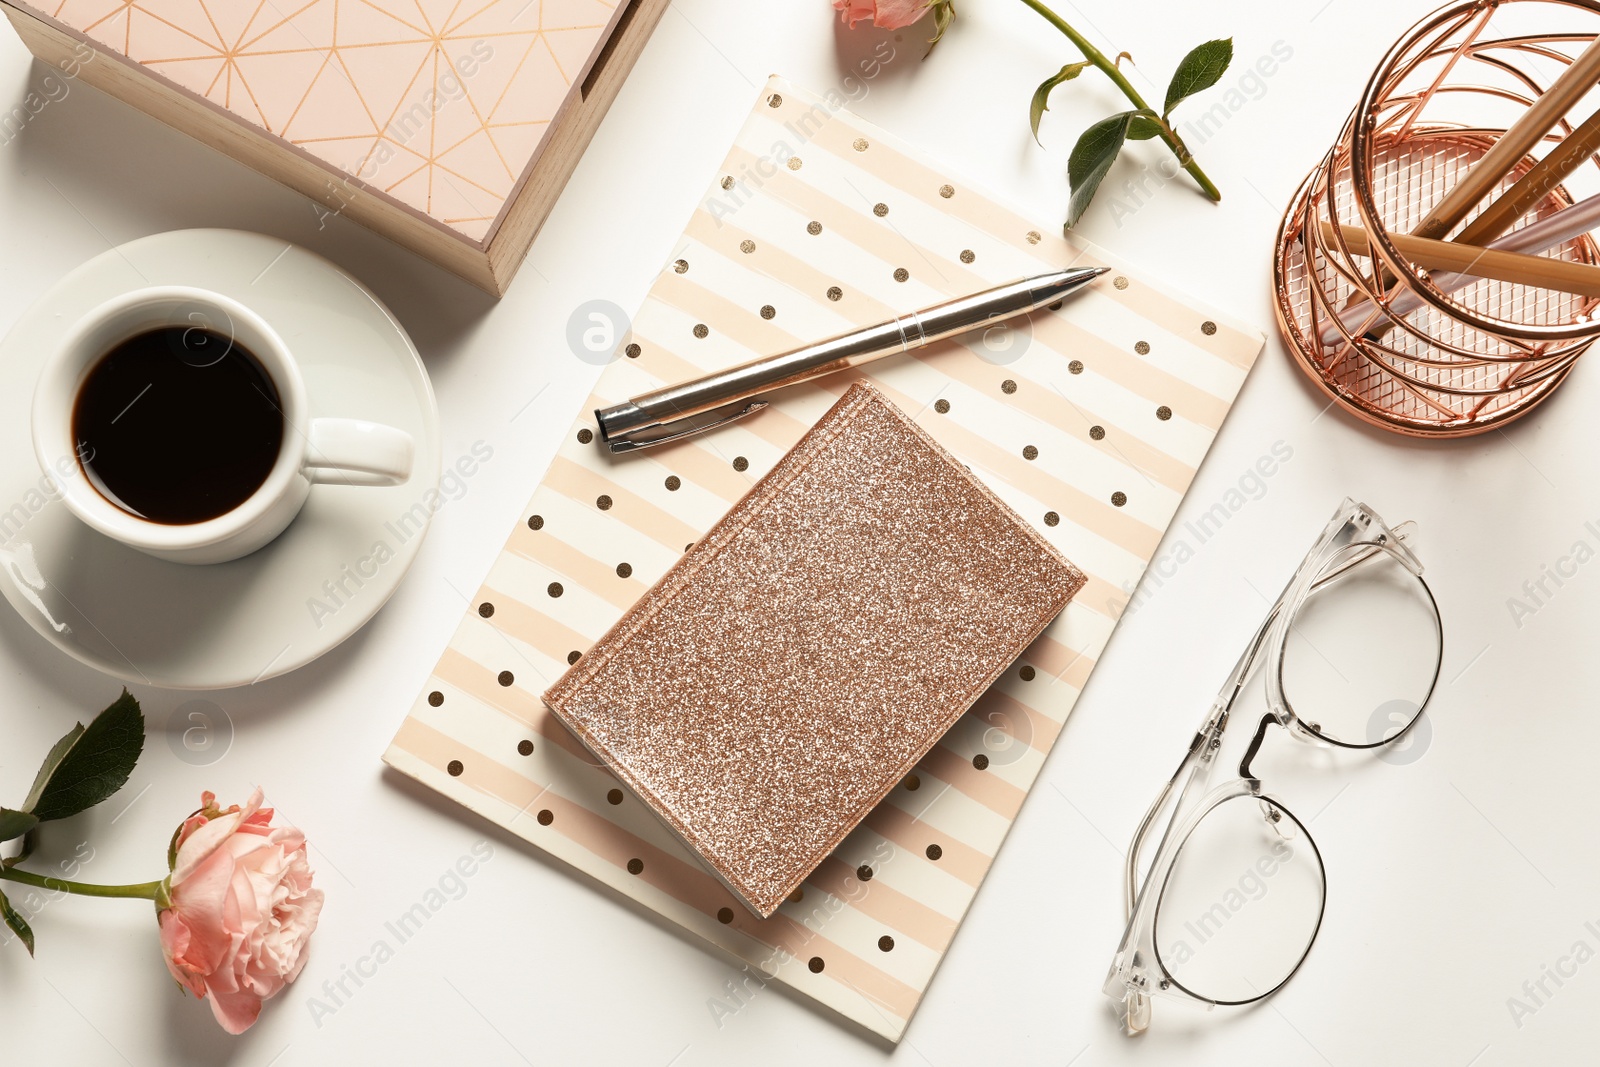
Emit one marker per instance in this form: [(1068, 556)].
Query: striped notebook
[(1089, 423)]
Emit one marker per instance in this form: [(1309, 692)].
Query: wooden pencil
[(1514, 144), (1515, 267), (1535, 185)]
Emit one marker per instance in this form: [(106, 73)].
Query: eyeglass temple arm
[(1217, 717), (1211, 729)]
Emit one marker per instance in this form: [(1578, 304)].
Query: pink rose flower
[(238, 908), (885, 14)]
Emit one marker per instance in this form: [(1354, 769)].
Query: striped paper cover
[(1090, 423)]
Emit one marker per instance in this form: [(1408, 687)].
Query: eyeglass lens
[(1242, 902), (1362, 652)]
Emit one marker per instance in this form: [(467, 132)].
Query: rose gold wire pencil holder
[(1374, 331)]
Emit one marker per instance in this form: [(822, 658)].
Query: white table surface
[(1454, 878)]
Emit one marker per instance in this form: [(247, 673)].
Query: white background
[(1454, 878)]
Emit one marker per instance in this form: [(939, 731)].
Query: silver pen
[(679, 411)]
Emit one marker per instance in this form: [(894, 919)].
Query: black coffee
[(178, 425)]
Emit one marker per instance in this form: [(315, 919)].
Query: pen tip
[(1048, 288)]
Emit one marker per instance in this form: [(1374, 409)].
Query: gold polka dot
[(681, 266), (794, 163), (455, 768), (1120, 282), (740, 463), (885, 943), (624, 570), (747, 246), (797, 896), (1163, 413), (1076, 366), (603, 502), (980, 761), (546, 817), (775, 100), (505, 678), (880, 210), (767, 311), (1119, 498), (486, 609), (573, 657), (554, 589), (947, 191), (815, 964), (864, 872), (727, 182), (1052, 519), (1096, 432), (968, 255), (942, 406), (1008, 387), (636, 866), (1026, 672), (702, 330), (724, 916), (632, 351), (911, 782), (673, 483), (1208, 327), (860, 144), (834, 292), (813, 228), (901, 274), (435, 698), (585, 435), (1033, 237), (1142, 347), (1030, 453), (614, 796), (933, 852), (525, 747), (535, 522)]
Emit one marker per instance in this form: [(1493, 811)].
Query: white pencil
[(1534, 238)]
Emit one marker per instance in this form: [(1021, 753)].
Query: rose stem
[(1096, 57), (141, 890)]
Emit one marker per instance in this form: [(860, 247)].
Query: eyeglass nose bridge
[(1269, 719)]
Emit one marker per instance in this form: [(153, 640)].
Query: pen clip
[(678, 429)]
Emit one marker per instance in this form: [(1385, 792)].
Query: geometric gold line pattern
[(442, 104)]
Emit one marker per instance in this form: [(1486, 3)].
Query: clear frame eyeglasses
[(1234, 895)]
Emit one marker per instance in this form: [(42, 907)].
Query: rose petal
[(885, 14), (236, 1012), (213, 834)]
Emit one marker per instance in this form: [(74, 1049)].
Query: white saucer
[(148, 621)]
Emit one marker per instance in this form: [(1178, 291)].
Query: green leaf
[(1041, 96), (18, 924), (13, 824), (1091, 157), (1144, 126), (58, 752), (89, 765), (1199, 70)]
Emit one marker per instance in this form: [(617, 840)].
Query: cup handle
[(357, 452)]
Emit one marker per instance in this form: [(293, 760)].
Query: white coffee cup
[(344, 452)]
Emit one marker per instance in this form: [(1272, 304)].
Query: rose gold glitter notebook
[(800, 659)]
